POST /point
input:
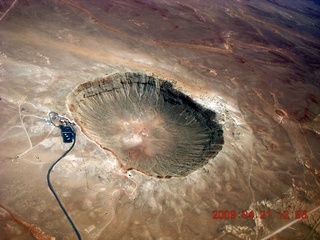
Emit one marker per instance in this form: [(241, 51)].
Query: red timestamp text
[(262, 214), (245, 214)]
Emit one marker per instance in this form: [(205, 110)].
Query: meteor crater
[(147, 124)]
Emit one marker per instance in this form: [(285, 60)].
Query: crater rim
[(136, 144)]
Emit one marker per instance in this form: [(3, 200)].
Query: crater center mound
[(148, 124)]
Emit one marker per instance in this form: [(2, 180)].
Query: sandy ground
[(255, 63)]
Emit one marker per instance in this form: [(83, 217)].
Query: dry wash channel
[(148, 124)]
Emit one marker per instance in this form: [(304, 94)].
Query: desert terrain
[(256, 64)]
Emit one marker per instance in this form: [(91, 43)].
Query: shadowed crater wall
[(149, 126)]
